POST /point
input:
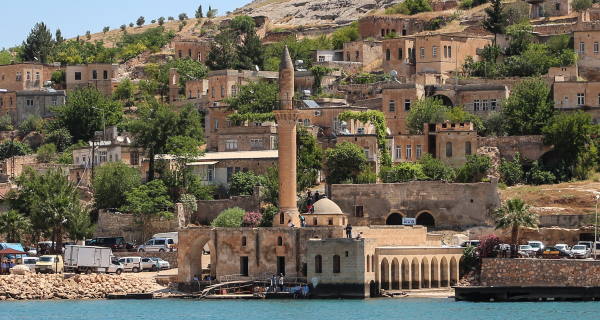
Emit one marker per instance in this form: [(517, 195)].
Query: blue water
[(381, 309)]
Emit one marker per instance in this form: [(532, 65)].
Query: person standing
[(349, 231), (281, 282), (317, 196)]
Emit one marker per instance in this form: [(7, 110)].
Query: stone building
[(253, 137), (38, 103), (586, 39), (8, 103), (399, 55), (396, 103), (549, 8), (223, 84), (196, 89), (379, 26), (432, 203), (194, 49), (97, 75), (578, 95), (367, 52), (25, 75)]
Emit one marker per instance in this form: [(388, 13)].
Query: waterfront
[(408, 308)]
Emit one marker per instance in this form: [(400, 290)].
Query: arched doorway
[(444, 279), (373, 292), (384, 276), (435, 273), (453, 271), (394, 219), (197, 259), (425, 219), (405, 272), (445, 100), (425, 274), (415, 278), (395, 274)]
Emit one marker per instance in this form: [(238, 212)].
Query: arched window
[(318, 264), (468, 148), (281, 218), (368, 263), (279, 241), (243, 241), (373, 263), (388, 54), (449, 149), (315, 221), (336, 264)]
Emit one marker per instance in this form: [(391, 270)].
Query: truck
[(88, 259)]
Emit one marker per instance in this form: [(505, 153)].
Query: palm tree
[(514, 214), (13, 224)]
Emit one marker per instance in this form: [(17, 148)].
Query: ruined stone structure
[(98, 75), (529, 147), (380, 26), (194, 49), (432, 203)]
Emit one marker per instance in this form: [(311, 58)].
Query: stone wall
[(208, 210), (564, 220), (171, 257), (454, 205), (127, 226), (530, 147), (540, 272)]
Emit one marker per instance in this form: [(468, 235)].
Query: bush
[(409, 7), (403, 172), (435, 169), (511, 172), (31, 124), (268, 213), (474, 169), (229, 218), (243, 183), (6, 123), (488, 245), (252, 219), (46, 153), (366, 176), (13, 148), (470, 260), (537, 175)]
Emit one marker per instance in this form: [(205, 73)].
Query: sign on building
[(409, 221)]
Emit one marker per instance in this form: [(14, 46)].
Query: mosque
[(388, 257)]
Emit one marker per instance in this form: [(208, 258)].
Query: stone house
[(379, 26), (97, 75), (8, 103), (549, 8), (586, 39), (38, 103), (194, 49), (25, 75), (196, 89), (367, 52), (399, 55), (578, 95), (446, 53), (397, 99), (223, 84), (254, 137)]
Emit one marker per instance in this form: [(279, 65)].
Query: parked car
[(538, 246), (588, 244), (115, 267), (115, 243), (526, 251), (149, 264), (554, 253), (49, 264), (470, 243), (162, 264), (158, 245), (580, 251), (132, 264), (30, 262), (563, 247)]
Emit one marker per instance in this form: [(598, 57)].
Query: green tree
[(511, 171), (80, 225), (528, 108), (199, 12), (60, 138), (309, 159), (13, 148), (495, 20), (13, 225), (58, 37), (211, 13), (59, 77), (435, 169), (106, 29), (157, 123), (581, 5), (229, 218), (183, 16), (123, 28), (475, 169), (428, 110), (86, 111), (521, 36), (140, 21), (494, 125), (125, 92), (459, 115), (318, 73), (255, 97), (38, 45), (344, 162), (345, 34), (515, 214), (32, 123), (131, 24), (6, 123), (112, 182), (46, 153), (161, 21), (409, 7), (402, 172), (6, 57), (148, 201), (243, 183), (237, 46)]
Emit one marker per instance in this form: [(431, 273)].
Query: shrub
[(403, 172), (469, 261), (46, 153), (366, 176), (6, 123), (229, 218), (252, 219), (243, 183), (435, 169), (511, 172), (537, 175), (474, 169), (487, 246), (268, 213), (409, 7)]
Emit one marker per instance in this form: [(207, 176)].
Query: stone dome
[(326, 206)]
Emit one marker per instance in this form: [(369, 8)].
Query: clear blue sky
[(75, 17)]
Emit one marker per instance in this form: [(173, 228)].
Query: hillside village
[(445, 112)]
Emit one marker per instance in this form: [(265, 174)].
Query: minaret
[(286, 118)]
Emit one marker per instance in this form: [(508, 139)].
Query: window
[(330, 221), (222, 91), (599, 99), (94, 74), (29, 102), (110, 157), (347, 56), (468, 148), (28, 75), (476, 105), (388, 54), (212, 92), (105, 75), (19, 76), (566, 101), (580, 99), (392, 105), (210, 173), (134, 158), (358, 211), (357, 55), (233, 90), (281, 219), (102, 156), (434, 51), (581, 47), (493, 104), (216, 123), (596, 47), (418, 151), (37, 76), (77, 75), (243, 241), (54, 100), (557, 6), (485, 105), (179, 54), (406, 104), (366, 150), (315, 221), (449, 51), (190, 53), (399, 53), (231, 145), (449, 149), (256, 143), (398, 152), (280, 241), (336, 264), (229, 173), (306, 122), (422, 52), (321, 58), (408, 152), (318, 264)]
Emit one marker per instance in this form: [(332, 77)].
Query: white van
[(133, 264), (158, 245)]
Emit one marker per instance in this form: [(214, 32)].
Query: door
[(244, 266), (281, 265)]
